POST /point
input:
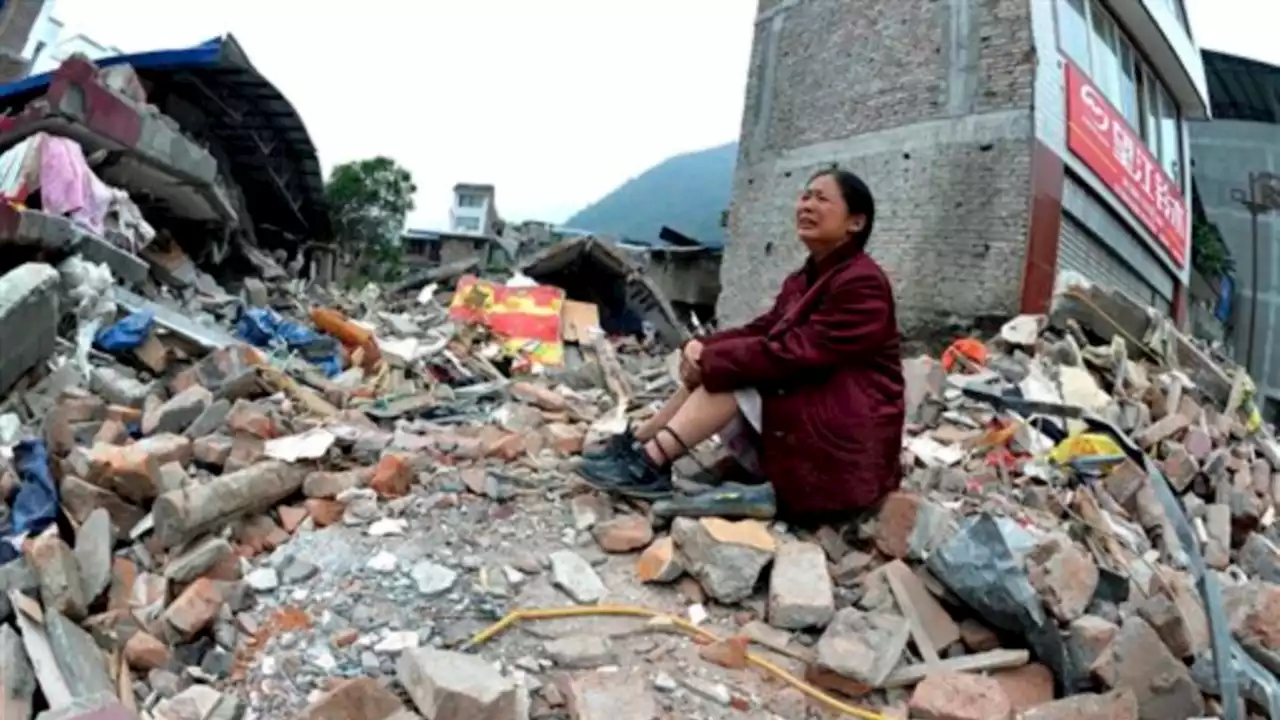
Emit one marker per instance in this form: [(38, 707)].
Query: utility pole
[(1262, 197)]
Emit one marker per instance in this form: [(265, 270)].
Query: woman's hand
[(690, 368)]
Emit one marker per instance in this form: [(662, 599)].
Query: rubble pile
[(317, 519)]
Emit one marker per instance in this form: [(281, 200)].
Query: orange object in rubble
[(338, 325), (972, 350)]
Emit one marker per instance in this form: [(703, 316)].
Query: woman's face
[(822, 218)]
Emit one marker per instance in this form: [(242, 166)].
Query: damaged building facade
[(1007, 143), (177, 168)]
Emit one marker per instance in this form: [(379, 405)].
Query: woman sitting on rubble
[(808, 396)]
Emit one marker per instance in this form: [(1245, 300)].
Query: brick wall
[(931, 103)]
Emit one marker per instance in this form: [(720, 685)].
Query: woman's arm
[(856, 316)]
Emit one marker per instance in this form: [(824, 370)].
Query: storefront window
[(1073, 31), (1170, 139), (1105, 55), (1129, 103), (1090, 36)]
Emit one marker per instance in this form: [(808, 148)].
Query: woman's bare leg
[(702, 415), (650, 427)]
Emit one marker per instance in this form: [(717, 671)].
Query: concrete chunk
[(17, 678), (800, 591), (183, 514), (28, 319), (455, 686), (726, 557), (863, 646), (58, 573)]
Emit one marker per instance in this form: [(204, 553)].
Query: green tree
[(368, 203), (1209, 252)]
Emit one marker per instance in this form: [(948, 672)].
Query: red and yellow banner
[(526, 318)]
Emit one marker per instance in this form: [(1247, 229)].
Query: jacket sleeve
[(856, 316)]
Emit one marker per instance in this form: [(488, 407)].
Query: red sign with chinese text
[(1100, 136)]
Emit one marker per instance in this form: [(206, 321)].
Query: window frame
[(1150, 92)]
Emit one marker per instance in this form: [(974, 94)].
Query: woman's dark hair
[(857, 197)]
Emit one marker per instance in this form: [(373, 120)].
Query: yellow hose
[(517, 616)]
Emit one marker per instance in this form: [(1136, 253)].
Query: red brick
[(195, 608), (960, 696), (144, 652), (1117, 705), (393, 476), (1026, 687), (356, 699)]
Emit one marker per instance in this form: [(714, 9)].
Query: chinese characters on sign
[(1098, 134)]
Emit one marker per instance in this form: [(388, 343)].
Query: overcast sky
[(554, 101)]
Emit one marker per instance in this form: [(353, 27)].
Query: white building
[(30, 33), (473, 210)]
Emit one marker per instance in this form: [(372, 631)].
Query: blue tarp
[(126, 334), (265, 328), (35, 506)]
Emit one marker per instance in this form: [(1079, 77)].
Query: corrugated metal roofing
[(1241, 88)]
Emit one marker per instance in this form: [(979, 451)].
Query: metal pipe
[(1254, 211)]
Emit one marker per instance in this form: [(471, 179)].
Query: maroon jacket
[(827, 363)]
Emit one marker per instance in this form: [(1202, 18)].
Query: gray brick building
[(956, 113)]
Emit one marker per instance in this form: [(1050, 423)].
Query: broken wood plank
[(918, 632), (982, 662), (30, 618)]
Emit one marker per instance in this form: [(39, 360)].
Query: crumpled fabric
[(265, 328), (89, 286), (35, 507), (19, 169), (128, 333), (68, 186)]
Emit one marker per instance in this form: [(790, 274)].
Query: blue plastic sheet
[(127, 333), (35, 506), (265, 328)]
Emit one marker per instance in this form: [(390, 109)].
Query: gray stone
[(58, 572), (448, 685), (255, 292), (298, 571), (98, 706), (575, 576), (197, 559), (28, 319), (178, 412), (863, 646), (210, 420), (263, 579), (581, 652), (17, 677), (1162, 684), (15, 575), (1260, 558), (432, 579), (726, 567), (82, 664), (800, 591), (94, 543), (117, 388)]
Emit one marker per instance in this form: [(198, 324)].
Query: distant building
[(33, 41), (474, 210)]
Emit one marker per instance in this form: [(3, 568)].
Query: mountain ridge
[(687, 192)]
